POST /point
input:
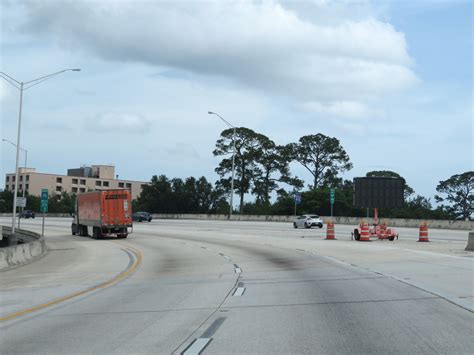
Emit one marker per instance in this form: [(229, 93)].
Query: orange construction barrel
[(423, 236), (330, 234)]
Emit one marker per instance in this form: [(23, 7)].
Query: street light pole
[(233, 173), (22, 86), (26, 162), (233, 160), (15, 193)]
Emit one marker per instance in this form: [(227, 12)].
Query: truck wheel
[(96, 233), (122, 236), (356, 234), (294, 225), (391, 238)]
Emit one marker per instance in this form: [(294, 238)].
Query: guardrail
[(393, 222), (31, 246)]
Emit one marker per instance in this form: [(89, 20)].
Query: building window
[(121, 184), (83, 182), (27, 177), (82, 189), (106, 184), (27, 187), (59, 181), (20, 187), (74, 190), (128, 185), (21, 177), (6, 187), (59, 188), (13, 178), (98, 183), (74, 181), (8, 178)]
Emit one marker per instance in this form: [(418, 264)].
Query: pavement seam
[(334, 302), (210, 315), (444, 297)]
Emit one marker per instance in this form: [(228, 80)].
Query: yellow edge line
[(138, 254)]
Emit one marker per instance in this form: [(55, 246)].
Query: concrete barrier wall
[(40, 215), (393, 222), (33, 247), (470, 242)]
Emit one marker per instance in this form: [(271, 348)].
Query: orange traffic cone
[(364, 232), (330, 235), (423, 232)]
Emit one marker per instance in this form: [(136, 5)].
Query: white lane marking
[(238, 270), (197, 346), (239, 291), (227, 257)]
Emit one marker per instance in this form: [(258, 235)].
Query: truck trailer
[(105, 213)]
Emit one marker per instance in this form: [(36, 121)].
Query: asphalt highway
[(212, 287)]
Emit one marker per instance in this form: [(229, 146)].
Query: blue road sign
[(44, 200), (297, 198)]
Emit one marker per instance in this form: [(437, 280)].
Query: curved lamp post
[(233, 160), (22, 86)]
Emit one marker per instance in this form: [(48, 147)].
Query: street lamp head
[(76, 69), (210, 112)]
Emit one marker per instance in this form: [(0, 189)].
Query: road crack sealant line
[(436, 293), (131, 268), (208, 340)]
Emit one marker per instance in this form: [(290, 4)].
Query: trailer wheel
[(96, 233), (356, 234), (74, 229)]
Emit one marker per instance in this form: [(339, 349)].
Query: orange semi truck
[(103, 214)]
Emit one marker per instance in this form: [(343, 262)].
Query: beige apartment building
[(77, 180)]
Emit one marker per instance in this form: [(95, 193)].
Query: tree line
[(262, 169)]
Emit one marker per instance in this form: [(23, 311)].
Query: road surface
[(217, 287)]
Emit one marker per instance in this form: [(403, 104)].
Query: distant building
[(77, 180)]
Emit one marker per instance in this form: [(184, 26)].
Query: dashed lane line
[(239, 291), (197, 346)]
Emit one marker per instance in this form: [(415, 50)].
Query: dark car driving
[(142, 216), (27, 214)]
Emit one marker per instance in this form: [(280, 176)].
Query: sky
[(392, 80)]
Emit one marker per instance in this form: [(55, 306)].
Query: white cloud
[(345, 109), (262, 44), (118, 122)]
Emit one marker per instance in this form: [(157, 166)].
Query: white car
[(308, 221)]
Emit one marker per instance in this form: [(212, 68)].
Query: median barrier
[(470, 242), (393, 222), (31, 246)]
